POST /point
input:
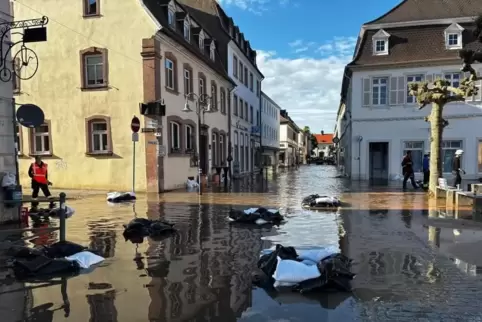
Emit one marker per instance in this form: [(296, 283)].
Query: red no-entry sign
[(135, 124)]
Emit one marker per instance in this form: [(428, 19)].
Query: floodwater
[(406, 269)]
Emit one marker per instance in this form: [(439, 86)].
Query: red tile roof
[(324, 138)]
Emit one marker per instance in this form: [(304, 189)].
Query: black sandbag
[(310, 202), (63, 249), (42, 267), (121, 198), (268, 262), (261, 213), (23, 252), (139, 228)]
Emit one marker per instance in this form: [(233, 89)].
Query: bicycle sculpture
[(25, 61)]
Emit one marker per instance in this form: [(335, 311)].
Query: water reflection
[(102, 307), (102, 236)]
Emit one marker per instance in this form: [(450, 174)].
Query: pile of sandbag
[(61, 259), (54, 212), (306, 270), (115, 197), (259, 216), (139, 228), (317, 201)]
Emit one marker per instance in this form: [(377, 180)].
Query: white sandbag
[(260, 221), (9, 179), (327, 200), (289, 271), (85, 259), (191, 184), (69, 211), (249, 211), (316, 255), (273, 211)]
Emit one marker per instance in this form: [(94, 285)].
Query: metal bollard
[(62, 216)]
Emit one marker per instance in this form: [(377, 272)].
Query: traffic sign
[(135, 137), (336, 140), (135, 124)]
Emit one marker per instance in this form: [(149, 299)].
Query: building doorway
[(378, 161)]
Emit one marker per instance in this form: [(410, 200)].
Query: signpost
[(135, 127)]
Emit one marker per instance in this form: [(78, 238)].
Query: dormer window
[(380, 42), (453, 36), (171, 15), (201, 41), (187, 29), (212, 51)]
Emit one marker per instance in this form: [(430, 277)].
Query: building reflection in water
[(102, 307), (209, 278), (102, 236)]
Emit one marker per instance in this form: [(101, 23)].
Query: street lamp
[(203, 105)]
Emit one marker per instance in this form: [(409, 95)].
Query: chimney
[(322, 132)]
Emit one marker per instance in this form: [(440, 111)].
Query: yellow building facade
[(89, 84)]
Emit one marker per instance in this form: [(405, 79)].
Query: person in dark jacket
[(426, 169), (38, 171), (407, 170), (456, 168)]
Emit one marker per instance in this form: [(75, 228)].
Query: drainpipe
[(360, 139)]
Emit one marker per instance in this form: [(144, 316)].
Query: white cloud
[(296, 43), (308, 87)]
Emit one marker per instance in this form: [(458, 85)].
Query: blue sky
[(303, 46)]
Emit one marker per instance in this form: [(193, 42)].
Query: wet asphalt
[(406, 270)]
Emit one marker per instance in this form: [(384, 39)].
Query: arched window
[(214, 144), (221, 150)]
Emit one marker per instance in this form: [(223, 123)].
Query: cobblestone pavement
[(406, 271)]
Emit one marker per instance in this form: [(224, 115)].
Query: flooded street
[(406, 270)]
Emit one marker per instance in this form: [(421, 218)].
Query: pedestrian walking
[(426, 169), (456, 168), (407, 170), (38, 171)]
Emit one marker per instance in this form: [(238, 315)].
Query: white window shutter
[(393, 90), (366, 91), (429, 78), (402, 90)]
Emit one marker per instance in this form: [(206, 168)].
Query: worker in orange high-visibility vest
[(39, 174)]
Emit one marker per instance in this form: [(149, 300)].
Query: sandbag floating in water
[(138, 228), (304, 271), (320, 202), (116, 197), (259, 216)]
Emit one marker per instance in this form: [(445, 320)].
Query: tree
[(314, 142), (439, 94), (306, 129)]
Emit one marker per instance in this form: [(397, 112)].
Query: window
[(241, 108), (453, 78), (448, 152), (245, 78), (187, 29), (169, 74), (413, 79), (417, 149), (479, 156), (246, 115), (41, 140), (235, 66), (258, 88), (241, 155), (91, 8), (251, 114), (453, 39), (171, 18), (189, 138), (380, 46), (236, 149), (94, 67), (221, 149), (175, 137), (212, 53), (251, 80), (201, 41), (202, 84), (223, 101), (214, 96), (99, 136), (214, 144), (235, 104), (240, 74), (15, 79), (18, 131), (380, 91), (246, 152), (187, 80), (257, 118)]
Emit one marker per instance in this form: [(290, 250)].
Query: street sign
[(30, 115), (135, 124), (135, 137), (161, 150), (336, 140)]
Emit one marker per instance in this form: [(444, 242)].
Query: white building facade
[(289, 154), (378, 121), (270, 131), (245, 103)]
